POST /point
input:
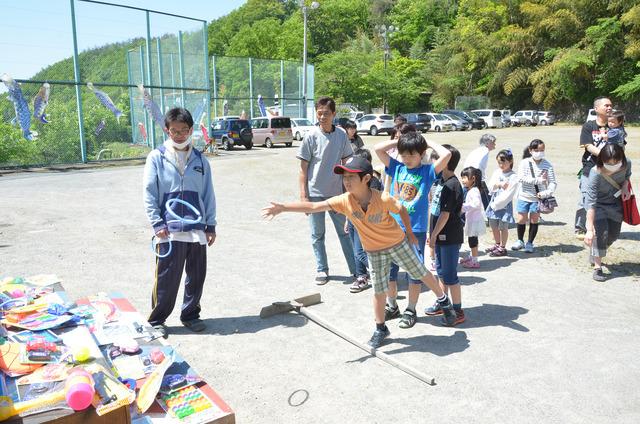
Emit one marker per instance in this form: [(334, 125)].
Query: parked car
[(457, 123), (527, 118), (300, 127), (591, 115), (268, 131), (470, 117), (492, 117), (506, 118), (440, 122), (421, 121), (546, 118), (232, 132), (375, 123)]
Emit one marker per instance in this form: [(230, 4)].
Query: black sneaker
[(195, 325), (598, 275), (434, 309), (449, 318), (390, 312), (408, 319), (378, 337)]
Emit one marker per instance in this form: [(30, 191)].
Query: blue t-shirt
[(411, 187)]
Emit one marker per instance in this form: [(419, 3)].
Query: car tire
[(543, 123), (248, 146), (227, 144), (454, 127), (268, 143), (437, 128), (423, 131), (527, 123), (288, 144), (298, 136), (373, 130)]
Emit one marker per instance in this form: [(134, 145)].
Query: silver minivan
[(268, 131), (491, 117), (527, 118)]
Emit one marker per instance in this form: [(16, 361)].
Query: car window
[(386, 117), (217, 125), (303, 122), (239, 124), (423, 116), (441, 117), (482, 112), (496, 113), (367, 117), (280, 123)]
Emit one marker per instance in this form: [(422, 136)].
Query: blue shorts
[(447, 256), (527, 207), (422, 241)]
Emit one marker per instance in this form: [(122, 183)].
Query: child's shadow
[(490, 315), (437, 345), (248, 324)]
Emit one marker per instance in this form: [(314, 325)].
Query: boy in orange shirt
[(382, 237)]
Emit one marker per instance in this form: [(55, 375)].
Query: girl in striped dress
[(537, 181)]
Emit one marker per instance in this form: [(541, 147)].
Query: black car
[(470, 117), (232, 132), (421, 121)]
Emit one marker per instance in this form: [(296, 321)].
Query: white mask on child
[(182, 145), (537, 155), (612, 168)]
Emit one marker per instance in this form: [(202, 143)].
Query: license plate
[(282, 133)]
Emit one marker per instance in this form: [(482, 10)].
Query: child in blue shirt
[(411, 181)]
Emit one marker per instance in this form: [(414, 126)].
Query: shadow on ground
[(244, 324), (487, 315), (492, 264), (629, 235)]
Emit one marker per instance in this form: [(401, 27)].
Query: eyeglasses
[(179, 132)]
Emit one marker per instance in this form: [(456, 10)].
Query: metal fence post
[(76, 73), (205, 41), (149, 79), (160, 76), (183, 103), (251, 87), (131, 95), (282, 113), (215, 86), (144, 82)]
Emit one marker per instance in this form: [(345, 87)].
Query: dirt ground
[(542, 341)]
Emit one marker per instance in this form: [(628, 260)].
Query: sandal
[(408, 319)]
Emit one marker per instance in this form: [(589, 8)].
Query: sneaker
[(195, 325), (579, 234), (518, 245), (460, 318), (463, 261), (598, 275), (472, 263), (360, 283), (162, 330), (492, 248), (322, 278), (391, 313), (528, 247), (408, 319), (500, 251), (433, 310), (378, 337), (449, 315)]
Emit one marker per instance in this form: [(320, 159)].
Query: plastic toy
[(156, 356), (81, 353), (79, 389), (154, 244), (178, 218), (186, 402)]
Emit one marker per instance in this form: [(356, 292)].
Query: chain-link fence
[(239, 82), (92, 56), (472, 102)]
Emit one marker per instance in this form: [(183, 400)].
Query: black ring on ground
[(293, 394)]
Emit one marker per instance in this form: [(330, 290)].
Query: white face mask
[(182, 145), (537, 155), (612, 168)]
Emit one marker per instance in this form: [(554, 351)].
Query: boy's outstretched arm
[(443, 156), (305, 207), (381, 150)]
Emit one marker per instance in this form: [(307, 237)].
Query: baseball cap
[(354, 164)]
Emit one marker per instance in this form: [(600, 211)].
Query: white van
[(591, 115), (492, 117)]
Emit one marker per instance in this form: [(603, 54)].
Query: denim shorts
[(422, 241), (447, 256), (527, 207)]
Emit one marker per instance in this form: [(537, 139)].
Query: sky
[(37, 33)]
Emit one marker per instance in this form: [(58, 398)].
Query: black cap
[(354, 165)]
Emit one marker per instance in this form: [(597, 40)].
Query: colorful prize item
[(106, 101), (79, 389), (23, 116), (151, 106), (152, 385), (187, 402), (40, 102), (81, 353)]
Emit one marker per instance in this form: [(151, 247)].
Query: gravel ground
[(542, 341)]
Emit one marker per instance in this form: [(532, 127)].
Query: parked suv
[(440, 122), (470, 117), (525, 117), (270, 130), (375, 123), (421, 121), (457, 123), (546, 118), (232, 132)]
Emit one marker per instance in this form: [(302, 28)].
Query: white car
[(491, 117), (457, 124), (300, 127), (591, 115), (375, 123), (440, 122)]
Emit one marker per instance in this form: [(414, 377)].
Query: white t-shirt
[(478, 158)]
